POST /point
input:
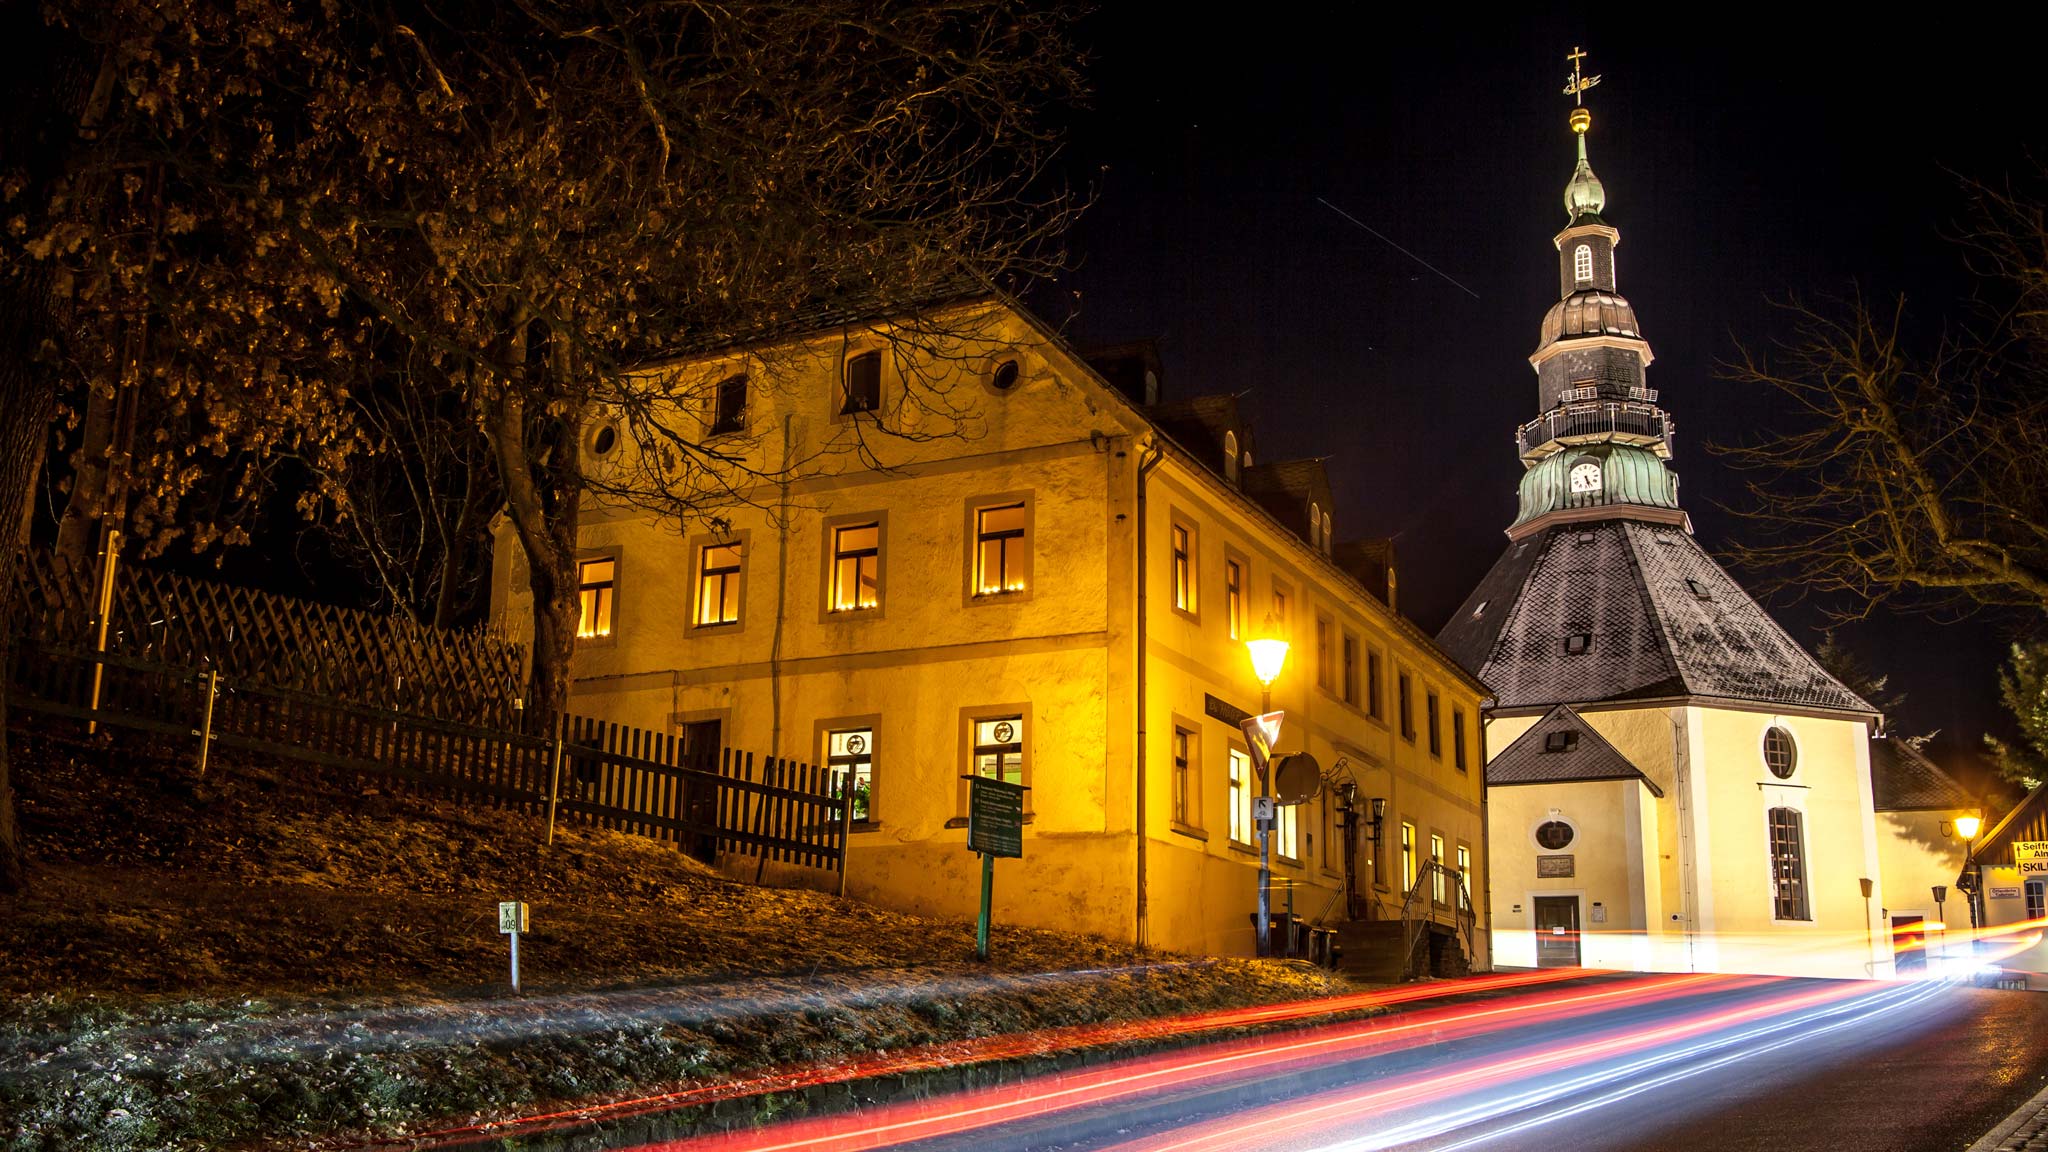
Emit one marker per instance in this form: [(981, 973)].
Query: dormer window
[(1326, 532), (1562, 740), (1315, 525), (1230, 456), (1582, 264), (1578, 643), (1698, 589)]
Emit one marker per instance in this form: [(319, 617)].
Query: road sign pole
[(515, 963), (988, 884)]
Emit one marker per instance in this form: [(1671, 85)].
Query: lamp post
[(1967, 827), (1269, 654)]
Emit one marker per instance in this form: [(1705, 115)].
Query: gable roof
[(1903, 779), (1528, 760), (1663, 620)]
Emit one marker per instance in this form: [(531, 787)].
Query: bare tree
[(1920, 475), (521, 204)]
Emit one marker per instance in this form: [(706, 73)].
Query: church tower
[(1673, 779)]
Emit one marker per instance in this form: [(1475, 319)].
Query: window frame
[(828, 587), (718, 420), (825, 729), (1464, 900), (1184, 564), (1236, 568), (973, 715), (1439, 889), (1347, 666), (1286, 828), (610, 636), (1372, 684), (1184, 765), (846, 409), (698, 544), (1797, 907), (1409, 864), (1404, 690), (973, 507), (1582, 263), (1790, 743), (1240, 789), (1282, 609), (1432, 712), (1458, 757), (1326, 671)]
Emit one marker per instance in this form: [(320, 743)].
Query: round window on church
[(1554, 835), (1781, 755)]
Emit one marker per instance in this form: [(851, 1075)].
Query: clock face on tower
[(1586, 477)]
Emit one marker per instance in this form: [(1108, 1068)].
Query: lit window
[(594, 595), (1315, 525), (1230, 456), (1407, 857), (1240, 796), (729, 405), (1407, 702), (718, 584), (1350, 669), (1781, 756), (999, 546), (1562, 740), (1183, 778), (1464, 878), (856, 567), (863, 383), (1286, 842), (1183, 569), (1233, 597), (1436, 875), (1327, 534), (1582, 263), (1554, 835), (999, 748), (1458, 738), (1372, 684), (1788, 864), (1436, 738), (850, 754)]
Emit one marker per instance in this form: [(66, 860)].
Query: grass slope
[(281, 952)]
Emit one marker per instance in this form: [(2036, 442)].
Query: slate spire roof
[(1616, 610)]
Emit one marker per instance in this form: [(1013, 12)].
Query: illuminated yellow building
[(947, 544)]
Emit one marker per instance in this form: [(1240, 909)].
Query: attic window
[(1327, 533), (1578, 643), (1698, 589), (1481, 610), (1004, 377), (1315, 525), (1562, 740), (1584, 538), (1230, 456)]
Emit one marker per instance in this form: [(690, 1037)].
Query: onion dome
[(1583, 195), (1589, 313)]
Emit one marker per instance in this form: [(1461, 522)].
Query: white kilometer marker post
[(511, 922)]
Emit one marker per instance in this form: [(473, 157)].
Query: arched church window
[(1582, 264), (1315, 525), (1326, 531), (1230, 456), (1781, 755), (1554, 835)]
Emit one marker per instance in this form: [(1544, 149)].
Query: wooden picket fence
[(608, 775), (257, 637)]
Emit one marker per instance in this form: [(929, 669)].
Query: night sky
[(1742, 161)]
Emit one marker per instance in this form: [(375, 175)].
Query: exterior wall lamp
[(1268, 650)]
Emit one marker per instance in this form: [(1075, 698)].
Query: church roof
[(1616, 610), (1562, 748), (1903, 779)]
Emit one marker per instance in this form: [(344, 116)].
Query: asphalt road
[(1671, 1064)]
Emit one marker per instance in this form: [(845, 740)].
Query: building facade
[(1675, 783), (945, 544)]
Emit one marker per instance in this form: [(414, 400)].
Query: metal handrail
[(1583, 418), (1464, 917)]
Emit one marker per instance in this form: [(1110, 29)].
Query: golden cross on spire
[(1577, 85)]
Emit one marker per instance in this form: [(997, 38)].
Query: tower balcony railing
[(1622, 421)]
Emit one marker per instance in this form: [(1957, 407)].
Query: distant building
[(995, 556), (1674, 783)]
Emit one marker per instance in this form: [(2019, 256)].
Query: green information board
[(995, 817)]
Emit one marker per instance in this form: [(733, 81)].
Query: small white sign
[(1262, 808), (511, 917), (2003, 893)]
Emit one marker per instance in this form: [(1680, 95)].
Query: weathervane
[(1577, 85)]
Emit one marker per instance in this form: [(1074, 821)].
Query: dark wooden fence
[(257, 637), (608, 775)]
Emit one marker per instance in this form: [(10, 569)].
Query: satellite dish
[(1296, 778)]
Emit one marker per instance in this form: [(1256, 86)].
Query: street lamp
[(1967, 828), (1269, 655)]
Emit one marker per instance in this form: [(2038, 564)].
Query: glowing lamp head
[(1968, 826), (1269, 655)]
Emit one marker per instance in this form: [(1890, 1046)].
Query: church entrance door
[(1557, 931)]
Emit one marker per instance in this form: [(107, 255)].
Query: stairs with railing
[(1428, 938)]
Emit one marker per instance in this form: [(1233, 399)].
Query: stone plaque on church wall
[(1554, 867)]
